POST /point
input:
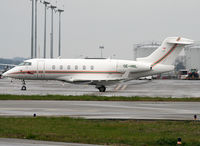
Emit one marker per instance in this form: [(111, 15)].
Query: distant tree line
[(14, 61)]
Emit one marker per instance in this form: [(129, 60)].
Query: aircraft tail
[(167, 52)]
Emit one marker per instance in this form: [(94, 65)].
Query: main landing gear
[(101, 88), (23, 85)]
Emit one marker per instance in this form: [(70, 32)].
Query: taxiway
[(155, 88), (102, 109), (24, 142)]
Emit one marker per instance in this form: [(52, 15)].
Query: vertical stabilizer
[(167, 52)]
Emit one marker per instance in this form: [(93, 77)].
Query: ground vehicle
[(193, 75), (146, 78), (182, 74)]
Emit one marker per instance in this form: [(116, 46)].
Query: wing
[(91, 81)]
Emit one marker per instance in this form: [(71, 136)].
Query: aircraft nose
[(9, 73), (5, 75)]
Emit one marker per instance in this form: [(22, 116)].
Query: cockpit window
[(25, 64)]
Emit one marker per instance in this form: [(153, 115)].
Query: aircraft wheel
[(23, 88), (102, 89)]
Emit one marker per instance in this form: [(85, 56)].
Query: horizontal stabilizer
[(180, 41)]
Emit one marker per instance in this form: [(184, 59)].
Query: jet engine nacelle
[(138, 67)]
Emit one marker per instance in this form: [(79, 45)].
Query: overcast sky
[(86, 24)]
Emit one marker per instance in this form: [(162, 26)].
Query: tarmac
[(154, 88), (102, 109), (24, 142), (99, 109)]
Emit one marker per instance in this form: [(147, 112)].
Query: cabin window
[(25, 64), (76, 67), (28, 64), (84, 67), (68, 67), (61, 67), (92, 67), (53, 67), (21, 64)]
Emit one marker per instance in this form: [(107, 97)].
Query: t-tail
[(167, 52)]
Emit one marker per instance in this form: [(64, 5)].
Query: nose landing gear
[(23, 85)]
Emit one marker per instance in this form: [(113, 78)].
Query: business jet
[(100, 72)]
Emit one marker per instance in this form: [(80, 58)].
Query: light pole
[(32, 30), (101, 48), (52, 9), (36, 28), (45, 25), (59, 46)]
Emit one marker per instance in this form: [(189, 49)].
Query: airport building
[(192, 54), (145, 49)]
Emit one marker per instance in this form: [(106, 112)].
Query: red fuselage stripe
[(66, 72)]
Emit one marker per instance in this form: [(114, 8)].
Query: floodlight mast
[(59, 46), (52, 9), (45, 25), (32, 30), (36, 28)]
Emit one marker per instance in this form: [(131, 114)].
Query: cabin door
[(40, 69)]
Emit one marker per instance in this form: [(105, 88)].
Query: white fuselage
[(92, 71)]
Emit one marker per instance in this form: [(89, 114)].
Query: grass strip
[(95, 98), (109, 132)]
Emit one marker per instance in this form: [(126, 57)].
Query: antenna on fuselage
[(101, 48)]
